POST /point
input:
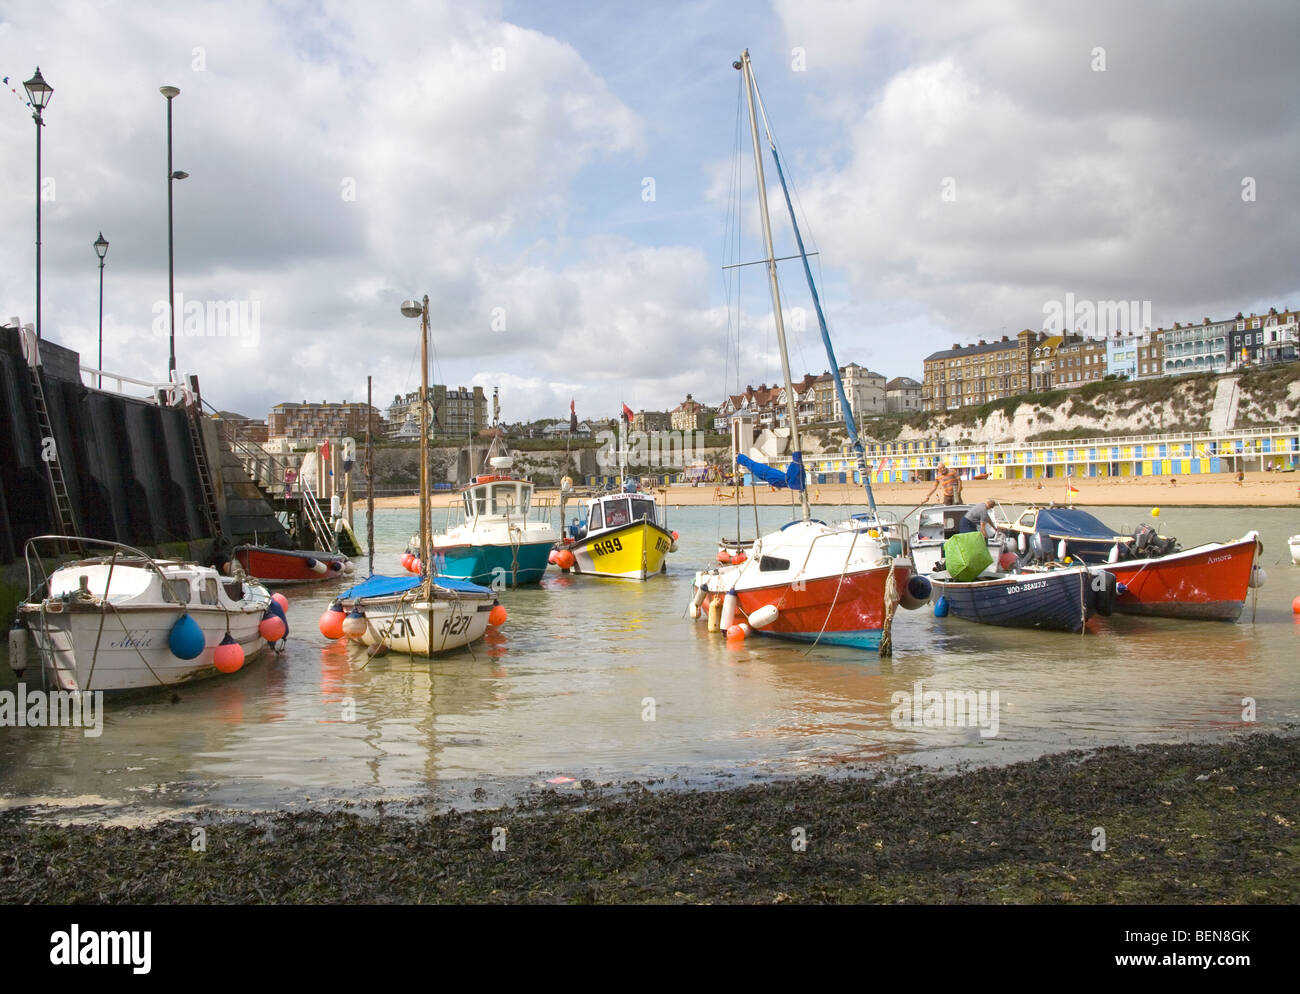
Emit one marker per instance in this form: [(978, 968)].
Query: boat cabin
[(497, 496), (617, 510), (939, 523)]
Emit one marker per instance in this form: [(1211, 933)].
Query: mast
[(849, 420), (426, 570), (792, 409)]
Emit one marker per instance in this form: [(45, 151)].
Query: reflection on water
[(566, 685)]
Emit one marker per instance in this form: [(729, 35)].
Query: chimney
[(982, 341), (956, 346), (1005, 338)]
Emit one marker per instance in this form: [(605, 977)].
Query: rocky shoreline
[(1199, 823)]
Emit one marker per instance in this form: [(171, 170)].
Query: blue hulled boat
[(1059, 599)]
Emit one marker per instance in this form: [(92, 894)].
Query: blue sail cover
[(791, 476), (388, 586), (1066, 522)]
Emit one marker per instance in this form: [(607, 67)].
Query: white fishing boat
[(937, 524), (127, 621), (404, 614), (1294, 543), (502, 538), (807, 581), (422, 615)]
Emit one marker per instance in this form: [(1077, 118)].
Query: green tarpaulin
[(966, 556)]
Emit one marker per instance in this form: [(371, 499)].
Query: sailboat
[(807, 581), (421, 615)]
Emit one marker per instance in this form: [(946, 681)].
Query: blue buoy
[(186, 639), (941, 607)]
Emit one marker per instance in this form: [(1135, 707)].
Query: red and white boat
[(280, 567), (809, 582), (1210, 581)]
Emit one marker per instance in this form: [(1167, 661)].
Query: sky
[(559, 179)]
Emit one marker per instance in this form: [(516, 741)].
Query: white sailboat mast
[(792, 408)]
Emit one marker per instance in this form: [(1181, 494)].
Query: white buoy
[(19, 640), (728, 610), (1060, 549), (693, 611), (1113, 557), (764, 616), (1021, 544), (698, 597)]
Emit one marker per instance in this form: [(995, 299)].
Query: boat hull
[(1209, 582), (629, 552), (1057, 600), (492, 565), (131, 652), (282, 567), (425, 627)]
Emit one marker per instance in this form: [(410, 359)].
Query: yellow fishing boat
[(620, 537)]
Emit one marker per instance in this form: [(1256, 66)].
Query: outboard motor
[(1040, 548), (1143, 535)]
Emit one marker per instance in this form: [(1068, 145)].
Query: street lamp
[(101, 250), (420, 309), (171, 92), (38, 93)]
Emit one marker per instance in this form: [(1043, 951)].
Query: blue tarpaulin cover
[(791, 476), (387, 586), (1066, 522)]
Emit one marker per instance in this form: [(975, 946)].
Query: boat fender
[(715, 614), (916, 593), (693, 611), (697, 598), (1257, 576), (728, 610), (228, 656), (1060, 549), (764, 616), (941, 607), (336, 506), (1104, 583), (19, 640), (336, 565), (186, 639), (1121, 589), (1113, 555), (1022, 543)]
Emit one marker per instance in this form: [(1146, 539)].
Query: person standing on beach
[(1240, 476), (948, 479)]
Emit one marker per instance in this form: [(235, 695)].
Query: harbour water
[(609, 681)]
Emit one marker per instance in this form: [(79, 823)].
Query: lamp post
[(420, 309), (38, 93), (171, 92), (101, 250)]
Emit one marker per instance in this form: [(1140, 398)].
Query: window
[(597, 519), (616, 513), (208, 592), (643, 510)]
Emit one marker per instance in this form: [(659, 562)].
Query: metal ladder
[(67, 521), (210, 509)]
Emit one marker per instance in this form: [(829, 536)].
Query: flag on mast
[(627, 414), (573, 418)]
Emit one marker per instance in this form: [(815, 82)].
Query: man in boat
[(949, 480), (977, 517)]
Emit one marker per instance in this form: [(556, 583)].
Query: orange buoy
[(564, 559), (282, 601), (554, 554), (737, 632), (724, 556), (228, 657), (331, 622), (497, 617), (272, 628), (675, 536), (738, 558), (1295, 605)]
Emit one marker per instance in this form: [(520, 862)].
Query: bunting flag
[(1073, 489)]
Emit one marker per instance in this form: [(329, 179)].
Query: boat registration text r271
[(402, 627)]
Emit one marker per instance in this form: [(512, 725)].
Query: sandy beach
[(1206, 490)]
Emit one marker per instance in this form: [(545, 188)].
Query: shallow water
[(564, 690)]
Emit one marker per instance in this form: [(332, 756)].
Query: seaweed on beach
[(1195, 823)]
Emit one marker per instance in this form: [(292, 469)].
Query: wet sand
[(1183, 824), (1204, 490)]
